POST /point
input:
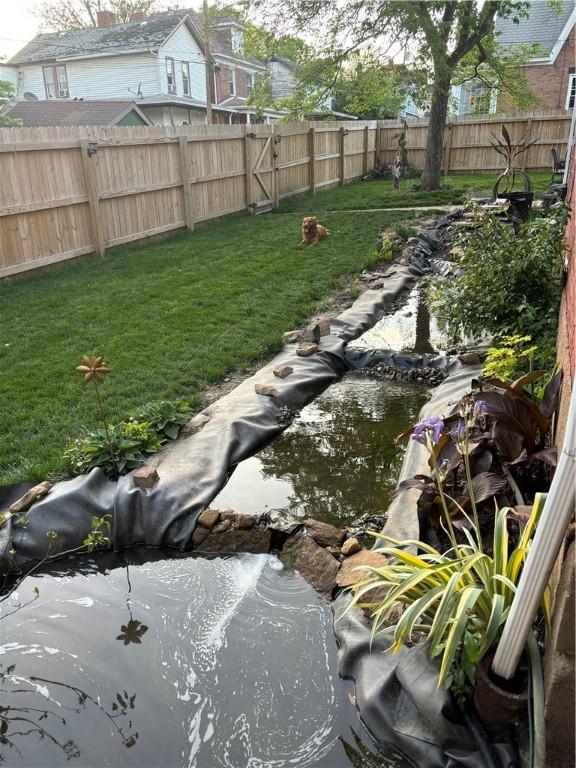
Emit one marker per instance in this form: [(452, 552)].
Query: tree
[(64, 15), (7, 93), (369, 89), (442, 33)]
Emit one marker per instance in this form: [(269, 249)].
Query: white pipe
[(556, 514)]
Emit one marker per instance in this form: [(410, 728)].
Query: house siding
[(181, 46), (9, 74), (282, 80), (113, 77)]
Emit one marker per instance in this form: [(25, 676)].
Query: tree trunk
[(436, 125)]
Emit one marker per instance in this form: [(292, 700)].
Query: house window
[(170, 76), (237, 40), (185, 78), (571, 95), (232, 81), (249, 83), (56, 82)]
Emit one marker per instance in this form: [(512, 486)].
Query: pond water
[(146, 659), (410, 328), (337, 461)]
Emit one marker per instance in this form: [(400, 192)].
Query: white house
[(158, 62)]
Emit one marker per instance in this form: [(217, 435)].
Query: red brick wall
[(223, 84), (571, 254), (567, 320), (549, 82)]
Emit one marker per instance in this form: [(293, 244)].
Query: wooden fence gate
[(262, 192)]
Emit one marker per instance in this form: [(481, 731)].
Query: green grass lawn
[(169, 317), (380, 194)]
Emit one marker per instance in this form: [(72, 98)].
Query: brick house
[(235, 73), (552, 74)]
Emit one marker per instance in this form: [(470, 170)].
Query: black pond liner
[(397, 695), (195, 467)]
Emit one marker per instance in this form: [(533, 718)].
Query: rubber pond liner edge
[(397, 695), (193, 468)]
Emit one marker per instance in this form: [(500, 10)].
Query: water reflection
[(409, 329), (337, 461), (237, 668)]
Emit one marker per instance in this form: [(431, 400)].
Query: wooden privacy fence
[(67, 192), (467, 146), (70, 191)]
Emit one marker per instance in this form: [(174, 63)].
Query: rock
[(376, 286), (350, 547), (209, 517), (334, 551), (324, 325), (470, 358), (145, 477), (254, 542), (305, 350), (266, 389), (197, 423), (348, 574), (200, 534), (244, 522), (282, 371), (290, 337), (325, 534), (311, 333), (316, 565), (228, 514), (223, 526), (35, 493), (285, 525)]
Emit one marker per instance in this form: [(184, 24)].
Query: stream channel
[(150, 658)]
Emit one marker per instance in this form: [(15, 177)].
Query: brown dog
[(312, 232)]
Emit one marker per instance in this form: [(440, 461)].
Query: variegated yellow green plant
[(457, 602)]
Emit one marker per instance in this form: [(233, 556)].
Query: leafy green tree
[(442, 35), (368, 89), (7, 93), (262, 44)]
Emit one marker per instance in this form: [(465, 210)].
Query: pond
[(147, 659), (338, 461), (410, 328)]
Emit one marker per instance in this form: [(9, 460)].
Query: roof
[(135, 36), (55, 112), (544, 26), (286, 62)]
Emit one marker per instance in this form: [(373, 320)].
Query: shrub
[(165, 417), (508, 285), (117, 450), (122, 447)]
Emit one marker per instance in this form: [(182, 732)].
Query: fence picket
[(58, 202)]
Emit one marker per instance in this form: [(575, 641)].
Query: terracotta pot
[(496, 707)]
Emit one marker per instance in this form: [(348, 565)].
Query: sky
[(16, 25)]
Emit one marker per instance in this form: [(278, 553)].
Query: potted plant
[(520, 201)]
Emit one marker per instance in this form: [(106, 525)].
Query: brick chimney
[(105, 19)]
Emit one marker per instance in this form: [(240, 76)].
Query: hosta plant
[(116, 450), (457, 601), (165, 417)]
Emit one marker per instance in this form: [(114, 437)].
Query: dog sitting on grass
[(312, 232)]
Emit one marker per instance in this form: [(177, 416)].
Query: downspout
[(556, 515), (570, 146)]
